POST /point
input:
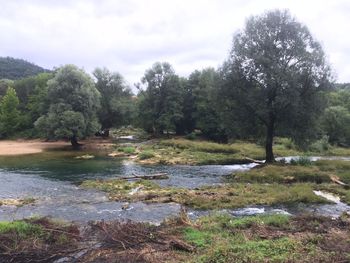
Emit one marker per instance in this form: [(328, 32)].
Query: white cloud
[(129, 35)]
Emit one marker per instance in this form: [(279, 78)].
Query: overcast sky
[(128, 36)]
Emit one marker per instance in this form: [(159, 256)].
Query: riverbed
[(52, 178)]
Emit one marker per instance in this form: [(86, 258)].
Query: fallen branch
[(254, 161), (158, 176), (336, 179)]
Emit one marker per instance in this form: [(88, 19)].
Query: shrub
[(321, 145), (303, 161), (128, 149), (146, 155)]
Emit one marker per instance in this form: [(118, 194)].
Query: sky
[(128, 36)]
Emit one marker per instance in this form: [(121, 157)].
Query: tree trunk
[(270, 158), (74, 141)]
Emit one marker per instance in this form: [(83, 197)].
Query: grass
[(35, 240), (202, 146), (127, 149), (17, 202), (146, 155), (183, 151), (21, 228), (269, 238), (194, 152), (279, 173), (211, 197)]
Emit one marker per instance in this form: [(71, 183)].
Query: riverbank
[(182, 151), (22, 147), (215, 238)]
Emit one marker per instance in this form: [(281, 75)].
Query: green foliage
[(277, 220), (303, 161), (267, 238), (263, 84), (127, 149), (117, 106), (74, 101), (9, 114), (146, 155), (12, 68), (336, 124), (22, 228), (320, 146), (160, 104), (200, 146), (204, 110), (283, 174), (197, 237)]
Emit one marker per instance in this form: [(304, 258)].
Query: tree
[(9, 114), (73, 101), (275, 74), (203, 88), (116, 99), (160, 104), (336, 124)]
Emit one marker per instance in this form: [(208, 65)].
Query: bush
[(303, 161), (128, 150), (146, 155), (191, 136), (321, 145)]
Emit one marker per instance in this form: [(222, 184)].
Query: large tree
[(73, 101), (116, 99), (160, 104), (9, 114), (202, 103), (275, 74)]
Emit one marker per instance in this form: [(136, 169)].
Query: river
[(52, 178)]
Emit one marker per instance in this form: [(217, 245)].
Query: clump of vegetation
[(282, 174), (17, 202), (320, 146), (209, 197), (203, 146), (145, 155), (303, 161), (37, 239), (127, 149), (271, 238)]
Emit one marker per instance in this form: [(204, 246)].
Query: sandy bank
[(19, 147)]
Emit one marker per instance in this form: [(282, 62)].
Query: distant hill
[(13, 68), (342, 85)]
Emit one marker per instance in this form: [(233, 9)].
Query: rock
[(125, 206), (85, 157), (116, 154)]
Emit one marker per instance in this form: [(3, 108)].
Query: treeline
[(13, 69), (276, 82), (165, 104)]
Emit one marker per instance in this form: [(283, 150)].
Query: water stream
[(52, 178)]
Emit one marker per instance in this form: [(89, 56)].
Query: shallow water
[(52, 179)]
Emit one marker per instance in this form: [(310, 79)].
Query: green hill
[(12, 68)]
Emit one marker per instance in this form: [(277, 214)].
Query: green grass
[(146, 155), (211, 197), (127, 149), (203, 146), (279, 173), (21, 228), (268, 238), (270, 220), (193, 152), (197, 237)]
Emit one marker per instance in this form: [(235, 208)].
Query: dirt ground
[(19, 147)]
